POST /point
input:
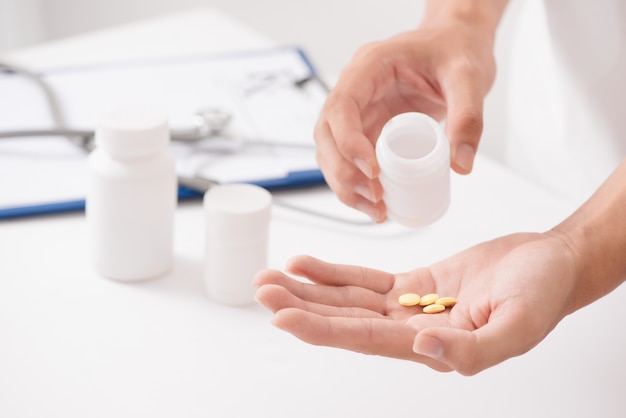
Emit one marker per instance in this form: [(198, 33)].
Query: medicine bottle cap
[(237, 213), (132, 130)]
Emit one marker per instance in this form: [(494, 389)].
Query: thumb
[(470, 352), (464, 121)]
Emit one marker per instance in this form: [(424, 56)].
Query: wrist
[(596, 237), (596, 262), (574, 283), (484, 15)]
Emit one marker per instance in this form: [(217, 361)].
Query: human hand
[(441, 70), (511, 293)]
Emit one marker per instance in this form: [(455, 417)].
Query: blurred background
[(328, 30)]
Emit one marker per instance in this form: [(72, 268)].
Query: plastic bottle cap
[(235, 213), (132, 130)]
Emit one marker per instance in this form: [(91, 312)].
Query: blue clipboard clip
[(195, 187)]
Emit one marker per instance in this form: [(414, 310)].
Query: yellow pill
[(429, 299), (446, 301), (409, 299), (434, 308)]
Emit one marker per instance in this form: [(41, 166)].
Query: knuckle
[(368, 51), (471, 121), (346, 197), (468, 369), (473, 67), (468, 364), (319, 131), (321, 157)]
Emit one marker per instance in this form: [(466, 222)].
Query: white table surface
[(73, 344)]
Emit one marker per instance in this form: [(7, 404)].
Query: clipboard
[(273, 96)]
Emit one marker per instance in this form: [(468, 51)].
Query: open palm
[(511, 293)]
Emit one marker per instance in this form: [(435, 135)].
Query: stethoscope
[(206, 123)]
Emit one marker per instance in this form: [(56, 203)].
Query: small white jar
[(414, 158), (237, 218), (131, 194)]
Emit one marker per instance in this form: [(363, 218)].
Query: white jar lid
[(237, 213), (132, 130)]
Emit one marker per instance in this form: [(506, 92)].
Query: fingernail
[(429, 347), (255, 279), (369, 210), (464, 157), (365, 167), (366, 192)]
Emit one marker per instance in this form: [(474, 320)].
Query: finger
[(276, 297), (364, 335), (344, 296), (343, 113), (464, 119), (330, 274), (345, 179), (470, 352)]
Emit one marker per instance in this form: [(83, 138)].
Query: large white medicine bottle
[(414, 158), (131, 194)]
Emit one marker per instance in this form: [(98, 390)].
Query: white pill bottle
[(237, 219), (414, 158), (132, 194)]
